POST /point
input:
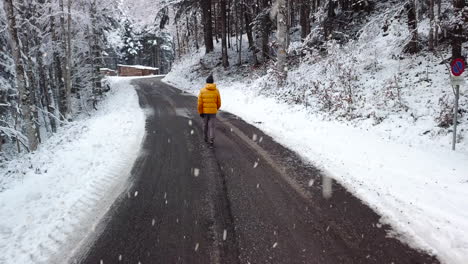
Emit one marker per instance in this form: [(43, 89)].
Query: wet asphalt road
[(246, 201)]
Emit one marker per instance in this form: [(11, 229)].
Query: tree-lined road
[(246, 201)]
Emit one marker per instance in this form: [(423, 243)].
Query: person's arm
[(219, 100), (200, 103)]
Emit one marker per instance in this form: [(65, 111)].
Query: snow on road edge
[(71, 180), (420, 191)]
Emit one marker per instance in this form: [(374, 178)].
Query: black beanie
[(209, 79)]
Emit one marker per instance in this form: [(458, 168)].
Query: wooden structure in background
[(136, 70), (107, 72)]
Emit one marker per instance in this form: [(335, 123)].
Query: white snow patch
[(51, 199)]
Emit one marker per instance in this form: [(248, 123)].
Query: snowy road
[(248, 201)]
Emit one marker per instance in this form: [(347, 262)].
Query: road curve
[(246, 201)]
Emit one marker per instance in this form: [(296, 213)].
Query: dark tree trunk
[(305, 18), (266, 28), (239, 30), (59, 79), (23, 89), (248, 30), (432, 25), (195, 23), (229, 28), (207, 25), (457, 32), (412, 46), (224, 33)]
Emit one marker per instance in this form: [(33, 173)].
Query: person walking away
[(209, 102)]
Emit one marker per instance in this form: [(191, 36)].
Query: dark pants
[(209, 127)]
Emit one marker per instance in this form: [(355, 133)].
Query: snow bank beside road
[(420, 190), (53, 197)]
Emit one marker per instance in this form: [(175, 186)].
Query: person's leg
[(205, 127), (211, 128)]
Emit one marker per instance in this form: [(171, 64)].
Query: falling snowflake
[(102, 261), (153, 222), (196, 247), (120, 257), (168, 140), (191, 132), (258, 185), (275, 244), (196, 172), (254, 137), (255, 165), (224, 234), (327, 189), (190, 122), (165, 195), (261, 139), (311, 182), (136, 193), (232, 129)]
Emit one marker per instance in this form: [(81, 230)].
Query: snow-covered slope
[(369, 116), (52, 198)]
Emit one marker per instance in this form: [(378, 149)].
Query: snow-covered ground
[(386, 146), (51, 199)]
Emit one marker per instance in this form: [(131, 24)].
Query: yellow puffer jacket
[(209, 100)]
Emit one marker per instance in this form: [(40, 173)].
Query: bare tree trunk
[(25, 102), (291, 13), (282, 32), (95, 55), (248, 30), (207, 25), (64, 96), (195, 22), (437, 23), (432, 25), (216, 22), (457, 32), (239, 29), (412, 46), (178, 40), (58, 76), (69, 61), (45, 83), (223, 34), (304, 19), (32, 82), (229, 28), (266, 28)]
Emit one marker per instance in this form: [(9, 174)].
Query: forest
[(51, 50), (50, 56)]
